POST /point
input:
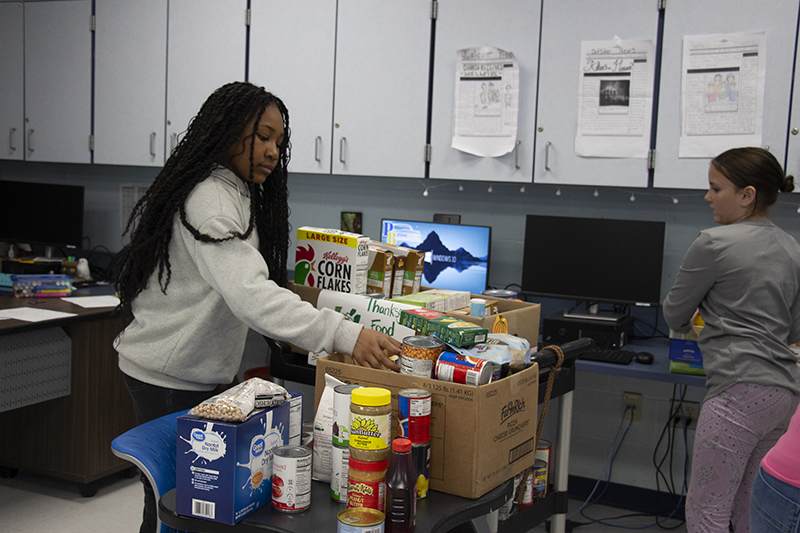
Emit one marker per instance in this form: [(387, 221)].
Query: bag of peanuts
[(238, 403)]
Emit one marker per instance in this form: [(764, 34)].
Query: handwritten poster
[(615, 99), (722, 100), (486, 101)]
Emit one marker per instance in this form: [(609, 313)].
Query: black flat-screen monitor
[(456, 255), (593, 259), (41, 214)]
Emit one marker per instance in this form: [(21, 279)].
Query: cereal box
[(332, 259)]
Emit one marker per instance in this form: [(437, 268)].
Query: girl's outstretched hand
[(373, 349)]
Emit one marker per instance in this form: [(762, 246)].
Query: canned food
[(366, 484), (418, 354), (361, 520), (421, 459), (539, 480), (340, 464), (544, 452), (414, 415), (341, 414), (291, 479), (458, 368)]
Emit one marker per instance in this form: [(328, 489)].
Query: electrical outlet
[(634, 400), (691, 410)]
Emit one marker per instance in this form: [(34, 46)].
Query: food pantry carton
[(331, 259), (381, 271), (224, 469), (436, 299), (480, 436), (520, 318), (412, 265)]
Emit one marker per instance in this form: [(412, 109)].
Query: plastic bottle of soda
[(401, 490)]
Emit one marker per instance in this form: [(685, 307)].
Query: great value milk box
[(331, 259), (224, 469)]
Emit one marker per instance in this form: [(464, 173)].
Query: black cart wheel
[(88, 490)]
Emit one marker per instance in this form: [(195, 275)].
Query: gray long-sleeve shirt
[(745, 280), (193, 337)]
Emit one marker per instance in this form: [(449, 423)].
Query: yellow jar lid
[(371, 396)]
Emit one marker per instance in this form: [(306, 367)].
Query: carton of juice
[(332, 259), (380, 271)]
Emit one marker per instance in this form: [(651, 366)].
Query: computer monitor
[(41, 214), (593, 260), (456, 255)]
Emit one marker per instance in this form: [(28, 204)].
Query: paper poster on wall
[(722, 92), (486, 101), (615, 99)]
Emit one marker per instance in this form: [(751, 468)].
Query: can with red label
[(458, 368), (414, 415), (291, 479)]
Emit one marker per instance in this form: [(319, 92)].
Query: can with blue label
[(452, 366)]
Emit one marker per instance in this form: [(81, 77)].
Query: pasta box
[(480, 436), (224, 469)]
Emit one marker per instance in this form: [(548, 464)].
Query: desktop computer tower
[(607, 335)]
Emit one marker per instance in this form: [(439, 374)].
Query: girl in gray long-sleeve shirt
[(744, 279)]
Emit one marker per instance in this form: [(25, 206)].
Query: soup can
[(418, 354), (539, 480), (340, 464), (414, 415), (291, 479), (341, 414), (421, 459), (360, 520), (544, 452), (463, 369)]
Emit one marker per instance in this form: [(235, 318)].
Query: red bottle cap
[(401, 445)]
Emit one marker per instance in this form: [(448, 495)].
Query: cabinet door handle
[(516, 155), (30, 138), (547, 155), (173, 142), (317, 148), (153, 144), (342, 143), (11, 139)]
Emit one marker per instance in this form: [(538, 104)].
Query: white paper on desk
[(32, 314), (615, 98), (93, 301), (722, 92), (486, 101)]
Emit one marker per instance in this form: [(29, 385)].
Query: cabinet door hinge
[(434, 9), (651, 160), (91, 143), (247, 17), (92, 22), (427, 153)]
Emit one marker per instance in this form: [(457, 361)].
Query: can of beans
[(360, 520), (418, 354), (341, 414), (414, 415), (340, 464), (421, 459), (291, 479), (458, 368)]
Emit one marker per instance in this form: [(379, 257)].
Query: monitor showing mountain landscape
[(456, 255)]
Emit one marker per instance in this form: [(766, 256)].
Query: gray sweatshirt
[(745, 279), (193, 337)]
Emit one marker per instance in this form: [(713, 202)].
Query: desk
[(438, 513), (70, 437)]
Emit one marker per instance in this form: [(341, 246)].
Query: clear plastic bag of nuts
[(237, 403)]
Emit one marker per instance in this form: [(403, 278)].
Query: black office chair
[(284, 364)]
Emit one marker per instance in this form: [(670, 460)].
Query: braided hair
[(218, 125)]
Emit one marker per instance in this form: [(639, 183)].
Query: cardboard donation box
[(522, 318), (480, 436), (224, 469)]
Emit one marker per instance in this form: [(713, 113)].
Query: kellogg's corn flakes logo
[(304, 266)]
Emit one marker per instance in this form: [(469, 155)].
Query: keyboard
[(619, 357)]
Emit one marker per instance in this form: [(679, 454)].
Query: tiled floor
[(35, 504)]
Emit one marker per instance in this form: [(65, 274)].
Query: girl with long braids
[(744, 278), (207, 261)]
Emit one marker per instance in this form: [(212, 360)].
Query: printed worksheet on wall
[(722, 96), (486, 101), (615, 99)]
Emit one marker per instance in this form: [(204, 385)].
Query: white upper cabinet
[(58, 81), (292, 47), (565, 25), (512, 26), (381, 87), (130, 82), (206, 49), (778, 20), (12, 88)]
